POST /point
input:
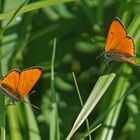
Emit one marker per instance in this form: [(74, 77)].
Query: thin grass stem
[(82, 104)]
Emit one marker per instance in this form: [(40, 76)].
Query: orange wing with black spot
[(120, 43)]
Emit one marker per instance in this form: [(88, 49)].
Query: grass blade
[(15, 134), (14, 15), (34, 133), (33, 6), (54, 124), (2, 116), (91, 131), (99, 89), (2, 98), (82, 104), (112, 118)]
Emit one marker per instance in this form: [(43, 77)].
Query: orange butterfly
[(17, 84), (119, 44)]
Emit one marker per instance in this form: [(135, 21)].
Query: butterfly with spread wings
[(119, 44), (17, 84)]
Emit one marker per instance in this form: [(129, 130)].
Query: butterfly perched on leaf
[(119, 44), (17, 84)]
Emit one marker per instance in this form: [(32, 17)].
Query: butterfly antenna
[(100, 55), (32, 92), (35, 107)]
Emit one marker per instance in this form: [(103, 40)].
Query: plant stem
[(82, 104), (2, 99)]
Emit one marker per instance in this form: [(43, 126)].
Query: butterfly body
[(17, 84), (119, 44), (14, 96)]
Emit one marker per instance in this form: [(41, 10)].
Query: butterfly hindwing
[(126, 47)]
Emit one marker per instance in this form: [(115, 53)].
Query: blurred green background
[(80, 28)]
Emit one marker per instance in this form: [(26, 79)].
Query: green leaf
[(98, 91), (121, 87), (34, 133), (33, 6)]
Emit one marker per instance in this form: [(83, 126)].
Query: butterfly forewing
[(28, 78), (11, 80), (115, 35)]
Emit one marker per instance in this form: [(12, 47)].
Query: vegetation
[(79, 97)]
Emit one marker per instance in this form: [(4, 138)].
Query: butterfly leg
[(107, 60)]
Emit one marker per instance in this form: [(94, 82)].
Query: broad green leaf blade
[(99, 89), (14, 124), (33, 6), (34, 133), (133, 121), (121, 87)]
